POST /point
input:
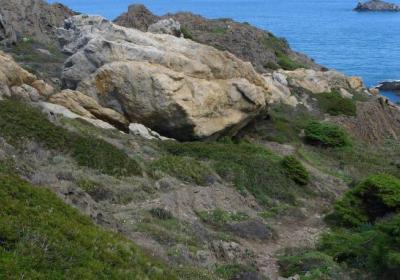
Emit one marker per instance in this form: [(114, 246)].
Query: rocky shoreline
[(209, 145)]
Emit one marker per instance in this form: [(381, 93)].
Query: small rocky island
[(377, 6)]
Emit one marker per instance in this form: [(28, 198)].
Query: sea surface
[(362, 44)]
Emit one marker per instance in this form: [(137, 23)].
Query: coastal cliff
[(158, 148)]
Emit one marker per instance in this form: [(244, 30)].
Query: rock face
[(87, 107), (377, 6), (166, 26), (389, 85), (376, 121), (19, 83), (137, 16), (30, 18), (243, 40), (322, 81), (174, 86)]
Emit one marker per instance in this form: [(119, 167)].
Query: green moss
[(194, 273), (184, 168), (375, 197), (42, 238), (20, 122), (326, 135), (219, 217), (250, 167), (334, 104), (295, 170)]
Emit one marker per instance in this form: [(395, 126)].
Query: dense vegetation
[(250, 167), (326, 134), (334, 104), (20, 122), (43, 238), (365, 234)]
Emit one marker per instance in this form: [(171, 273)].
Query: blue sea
[(362, 44)]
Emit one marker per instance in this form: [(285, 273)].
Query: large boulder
[(177, 87), (247, 42)]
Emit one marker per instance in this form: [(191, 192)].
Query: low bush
[(325, 134), (295, 170), (375, 197), (229, 271), (374, 249), (250, 167), (219, 217), (334, 104), (366, 226), (186, 33), (20, 122), (161, 213), (42, 238), (286, 63), (310, 265), (184, 168)]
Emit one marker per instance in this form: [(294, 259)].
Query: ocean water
[(361, 44)]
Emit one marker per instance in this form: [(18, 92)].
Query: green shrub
[(161, 213), (186, 33), (367, 227), (286, 63), (309, 264), (42, 238), (219, 30), (219, 217), (295, 170), (271, 65), (325, 134), (20, 122), (228, 271), (184, 168), (250, 167), (284, 124), (334, 104), (373, 248), (375, 197)]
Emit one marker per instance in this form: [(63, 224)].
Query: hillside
[(143, 155)]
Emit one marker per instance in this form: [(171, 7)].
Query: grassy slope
[(42, 238)]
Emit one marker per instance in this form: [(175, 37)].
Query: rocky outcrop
[(322, 81), (376, 121), (247, 42), (174, 86), (30, 18), (138, 129), (87, 107), (19, 83), (377, 6), (389, 85), (137, 16), (166, 26)]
